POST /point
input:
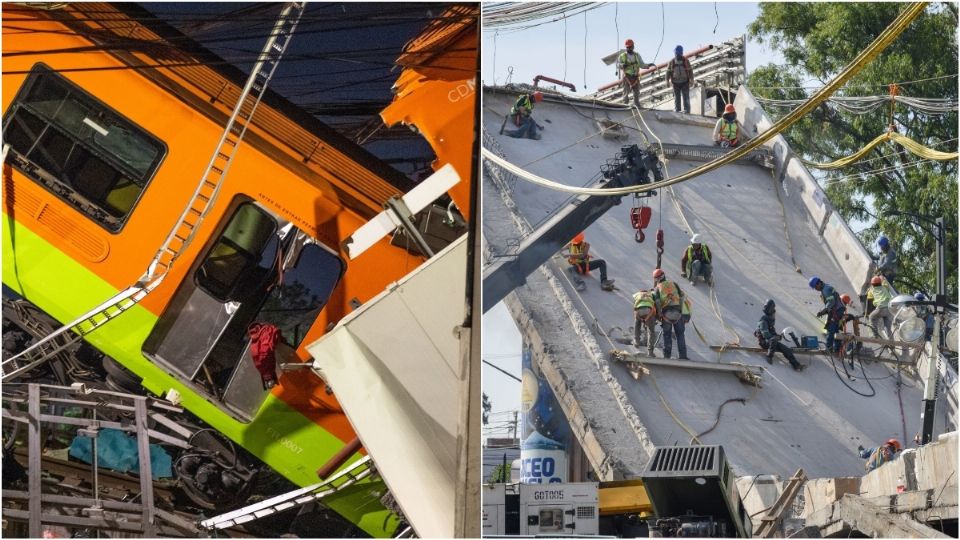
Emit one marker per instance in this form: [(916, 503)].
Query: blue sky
[(540, 51)]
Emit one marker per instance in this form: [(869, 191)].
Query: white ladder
[(359, 470), (196, 210)]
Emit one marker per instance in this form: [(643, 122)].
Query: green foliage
[(818, 40), (500, 474), (487, 407)]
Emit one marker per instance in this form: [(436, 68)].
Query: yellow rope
[(882, 42), (911, 145)]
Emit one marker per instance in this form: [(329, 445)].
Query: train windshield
[(256, 271), (78, 148)]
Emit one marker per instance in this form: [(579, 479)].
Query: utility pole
[(940, 301)]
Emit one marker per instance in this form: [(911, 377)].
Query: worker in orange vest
[(581, 263), (670, 308)]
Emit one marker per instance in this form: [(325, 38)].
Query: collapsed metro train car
[(102, 156)]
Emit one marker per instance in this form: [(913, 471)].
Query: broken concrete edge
[(928, 474), (854, 513), (841, 242)]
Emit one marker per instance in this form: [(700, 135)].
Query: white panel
[(394, 367)]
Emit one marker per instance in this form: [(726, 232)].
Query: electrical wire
[(501, 370)]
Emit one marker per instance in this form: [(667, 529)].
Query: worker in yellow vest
[(629, 64), (697, 262), (645, 320), (522, 116), (878, 298), (581, 263), (727, 132), (669, 302)]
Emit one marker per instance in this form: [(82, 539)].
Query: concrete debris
[(853, 513)]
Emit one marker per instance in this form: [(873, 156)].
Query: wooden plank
[(723, 348), (769, 523), (628, 358)]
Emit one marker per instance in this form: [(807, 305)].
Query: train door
[(260, 269)]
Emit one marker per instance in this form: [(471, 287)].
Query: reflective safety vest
[(630, 63), (687, 304), (523, 106), (644, 304), (578, 259), (706, 256), (668, 295), (729, 131), (881, 295)]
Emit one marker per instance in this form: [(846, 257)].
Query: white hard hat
[(695, 239)]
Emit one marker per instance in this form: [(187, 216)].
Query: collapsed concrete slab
[(853, 513), (770, 229)]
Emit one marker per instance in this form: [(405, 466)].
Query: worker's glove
[(859, 449), (822, 312), (774, 339)]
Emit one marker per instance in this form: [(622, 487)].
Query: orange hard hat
[(657, 274), (876, 280), (628, 43), (845, 298), (729, 109), (578, 239), (538, 96), (894, 443)]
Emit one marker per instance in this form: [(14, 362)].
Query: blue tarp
[(118, 451)]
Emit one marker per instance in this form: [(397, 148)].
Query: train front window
[(78, 148)]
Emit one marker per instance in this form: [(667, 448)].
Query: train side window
[(80, 149)]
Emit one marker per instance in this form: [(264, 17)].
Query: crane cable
[(714, 301), (880, 43)]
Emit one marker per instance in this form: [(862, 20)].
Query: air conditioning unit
[(694, 494)]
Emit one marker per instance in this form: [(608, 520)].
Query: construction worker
[(878, 306), (727, 132), (876, 457), (669, 300), (680, 75), (581, 263), (696, 262), (645, 320), (887, 262), (629, 64), (522, 116), (832, 307), (769, 338)]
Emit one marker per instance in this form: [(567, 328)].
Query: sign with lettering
[(541, 466)]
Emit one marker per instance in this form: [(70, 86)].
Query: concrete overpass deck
[(770, 229)]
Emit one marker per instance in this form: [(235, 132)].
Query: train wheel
[(214, 475)]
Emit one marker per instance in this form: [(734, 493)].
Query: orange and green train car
[(104, 154)]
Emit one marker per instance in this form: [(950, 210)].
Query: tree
[(818, 40), (487, 407)]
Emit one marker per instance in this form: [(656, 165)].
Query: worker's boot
[(607, 284), (770, 356)]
